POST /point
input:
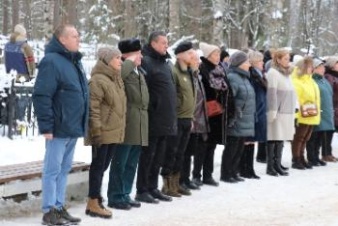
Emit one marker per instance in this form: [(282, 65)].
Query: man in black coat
[(162, 116)]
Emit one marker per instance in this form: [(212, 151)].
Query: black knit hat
[(129, 45), (182, 47)]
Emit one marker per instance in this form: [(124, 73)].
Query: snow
[(305, 198), (218, 15)]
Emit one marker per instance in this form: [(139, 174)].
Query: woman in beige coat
[(107, 116)]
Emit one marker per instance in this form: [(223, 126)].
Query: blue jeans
[(122, 172), (57, 164)]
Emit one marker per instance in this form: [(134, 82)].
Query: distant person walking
[(20, 58), (61, 105)]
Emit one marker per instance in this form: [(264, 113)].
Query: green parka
[(136, 132), (107, 109)]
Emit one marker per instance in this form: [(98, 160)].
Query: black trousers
[(150, 163), (319, 139), (101, 158), (326, 143), (204, 159), (231, 156), (203, 154), (175, 148)]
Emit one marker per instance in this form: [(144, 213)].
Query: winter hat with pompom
[(106, 54), (20, 29), (331, 61), (207, 49)]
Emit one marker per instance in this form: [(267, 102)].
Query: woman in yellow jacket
[(308, 98)]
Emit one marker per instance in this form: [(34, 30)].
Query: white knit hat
[(331, 61), (207, 49), (20, 29)]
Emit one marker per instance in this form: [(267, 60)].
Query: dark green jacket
[(136, 132), (186, 92)]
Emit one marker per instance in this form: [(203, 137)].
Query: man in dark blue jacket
[(61, 105)]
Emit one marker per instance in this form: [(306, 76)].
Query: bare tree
[(15, 12), (5, 16), (174, 19)]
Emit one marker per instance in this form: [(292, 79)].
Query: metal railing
[(16, 112)]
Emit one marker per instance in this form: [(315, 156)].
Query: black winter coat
[(217, 123), (162, 93), (259, 84)]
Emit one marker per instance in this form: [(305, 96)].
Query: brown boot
[(168, 188), (94, 209)]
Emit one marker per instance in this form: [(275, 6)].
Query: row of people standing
[(155, 115)]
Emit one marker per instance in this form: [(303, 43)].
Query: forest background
[(260, 24)]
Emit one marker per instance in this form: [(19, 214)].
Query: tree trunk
[(57, 13), (130, 27), (218, 24), (15, 12), (5, 17), (28, 17), (174, 19), (47, 18)]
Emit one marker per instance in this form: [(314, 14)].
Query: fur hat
[(331, 61), (182, 47), (129, 45), (207, 49), (317, 62), (106, 54), (20, 29), (238, 58)]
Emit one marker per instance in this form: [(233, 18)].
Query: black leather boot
[(250, 161), (278, 159), (243, 164), (270, 154)]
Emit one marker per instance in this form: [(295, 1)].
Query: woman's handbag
[(214, 108), (308, 110)]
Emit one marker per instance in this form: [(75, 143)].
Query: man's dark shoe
[(120, 205), (146, 197), (229, 180), (210, 181), (191, 185), (314, 163), (322, 163), (184, 190), (197, 181), (159, 195), (65, 215), (53, 217), (134, 203)]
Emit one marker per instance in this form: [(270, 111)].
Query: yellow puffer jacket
[(307, 92)]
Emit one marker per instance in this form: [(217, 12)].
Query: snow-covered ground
[(305, 198)]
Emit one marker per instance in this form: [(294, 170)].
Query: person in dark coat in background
[(60, 101), (126, 155), (216, 88), (199, 134), (331, 74), (320, 132), (259, 83), (162, 116), (242, 124), (224, 61)]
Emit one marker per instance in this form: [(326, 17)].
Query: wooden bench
[(25, 178)]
